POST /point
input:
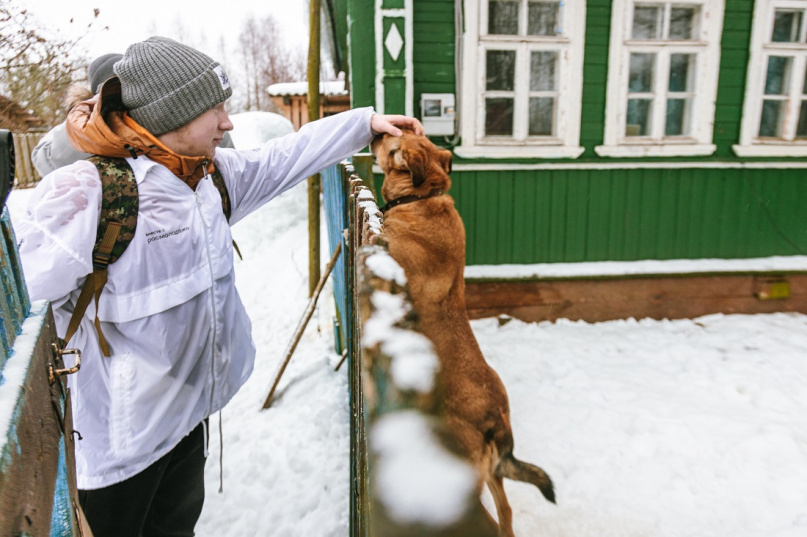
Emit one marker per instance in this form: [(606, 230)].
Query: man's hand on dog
[(388, 124)]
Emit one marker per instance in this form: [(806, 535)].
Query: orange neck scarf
[(101, 126)]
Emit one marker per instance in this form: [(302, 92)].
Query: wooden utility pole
[(313, 115)]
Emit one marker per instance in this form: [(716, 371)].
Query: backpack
[(116, 228)]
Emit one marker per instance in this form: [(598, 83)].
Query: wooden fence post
[(314, 185)]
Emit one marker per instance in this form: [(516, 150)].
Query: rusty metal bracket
[(58, 353)]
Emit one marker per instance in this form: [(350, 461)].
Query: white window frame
[(707, 49), (751, 145), (570, 46)]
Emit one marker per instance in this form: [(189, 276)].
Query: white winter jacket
[(179, 335)]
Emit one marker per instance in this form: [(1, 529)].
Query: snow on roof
[(334, 87)]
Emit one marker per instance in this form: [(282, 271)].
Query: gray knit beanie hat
[(166, 84), (100, 70)]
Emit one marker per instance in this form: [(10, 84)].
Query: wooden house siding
[(433, 48), (630, 214), (595, 77), (361, 43), (598, 208), (731, 81)]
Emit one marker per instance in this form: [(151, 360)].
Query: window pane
[(647, 22), (542, 18), (499, 117), (801, 128), (771, 122), (542, 113), (640, 79), (778, 77), (503, 17), (542, 71), (682, 22), (682, 67), (786, 26), (677, 117), (638, 120), (501, 70)]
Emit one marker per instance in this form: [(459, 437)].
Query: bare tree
[(266, 61), (36, 70)]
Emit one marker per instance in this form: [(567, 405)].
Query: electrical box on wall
[(437, 113)]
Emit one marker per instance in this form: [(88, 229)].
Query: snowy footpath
[(648, 428)]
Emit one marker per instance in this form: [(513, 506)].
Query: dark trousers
[(164, 500)]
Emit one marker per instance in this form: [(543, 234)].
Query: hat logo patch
[(223, 80)]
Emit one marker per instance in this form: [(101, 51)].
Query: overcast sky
[(204, 21)]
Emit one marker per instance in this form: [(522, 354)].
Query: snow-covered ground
[(648, 428)]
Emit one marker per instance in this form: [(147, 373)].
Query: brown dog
[(427, 238)]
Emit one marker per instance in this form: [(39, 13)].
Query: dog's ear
[(399, 159), (445, 159), (417, 164)]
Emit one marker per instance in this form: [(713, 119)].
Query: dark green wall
[(721, 209), (599, 215), (361, 51), (433, 49)]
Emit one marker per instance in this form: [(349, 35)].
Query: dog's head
[(411, 164)]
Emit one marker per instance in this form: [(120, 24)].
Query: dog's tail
[(512, 468)]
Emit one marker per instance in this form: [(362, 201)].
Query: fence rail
[(38, 494), (396, 421), (25, 174)]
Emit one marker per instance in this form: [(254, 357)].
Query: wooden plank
[(667, 215), (31, 446), (597, 228), (662, 297), (14, 302), (578, 203)]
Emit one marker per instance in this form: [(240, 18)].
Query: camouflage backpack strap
[(116, 228), (119, 207), (221, 186)]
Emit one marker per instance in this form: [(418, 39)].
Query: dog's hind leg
[(505, 513), (488, 526)]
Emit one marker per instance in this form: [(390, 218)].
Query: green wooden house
[(603, 130)]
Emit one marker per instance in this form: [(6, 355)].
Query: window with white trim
[(522, 78), (775, 110), (662, 78)]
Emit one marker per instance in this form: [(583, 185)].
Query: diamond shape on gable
[(393, 42)]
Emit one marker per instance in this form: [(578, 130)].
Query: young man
[(178, 336)]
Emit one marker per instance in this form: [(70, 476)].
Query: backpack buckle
[(100, 260)]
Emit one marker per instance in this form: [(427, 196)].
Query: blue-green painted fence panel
[(27, 404)]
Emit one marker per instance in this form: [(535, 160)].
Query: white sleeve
[(57, 230), (54, 150), (255, 176)]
